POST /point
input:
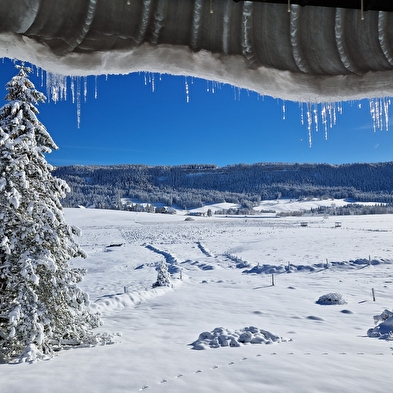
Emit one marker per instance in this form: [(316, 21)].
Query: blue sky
[(129, 123)]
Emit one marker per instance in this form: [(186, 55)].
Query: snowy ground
[(303, 346)]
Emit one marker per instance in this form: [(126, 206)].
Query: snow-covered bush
[(384, 330), (163, 276), (330, 299), (41, 305), (221, 337)]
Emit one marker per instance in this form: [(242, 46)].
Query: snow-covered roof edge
[(178, 60)]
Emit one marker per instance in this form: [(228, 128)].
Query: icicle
[(309, 124), (78, 100), (187, 90), (330, 112), (316, 117), (324, 120), (334, 114), (42, 77), (371, 106), (152, 83), (95, 87), (379, 112), (48, 83), (56, 87), (386, 105), (340, 107), (85, 89), (284, 110), (73, 89), (301, 105)]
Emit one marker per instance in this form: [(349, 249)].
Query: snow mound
[(384, 330), (292, 268), (239, 261), (205, 250), (113, 302), (198, 264), (221, 337), (331, 299), (171, 260)]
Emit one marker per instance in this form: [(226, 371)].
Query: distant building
[(166, 210), (197, 214)]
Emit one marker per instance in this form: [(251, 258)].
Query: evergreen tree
[(163, 276), (41, 306)]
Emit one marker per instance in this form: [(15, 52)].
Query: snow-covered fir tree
[(41, 306), (163, 276)]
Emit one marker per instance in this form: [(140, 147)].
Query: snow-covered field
[(299, 345)]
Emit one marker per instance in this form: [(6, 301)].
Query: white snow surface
[(323, 348), (179, 60)]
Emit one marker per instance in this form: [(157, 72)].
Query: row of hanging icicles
[(315, 116)]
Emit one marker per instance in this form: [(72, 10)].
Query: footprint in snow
[(314, 318)]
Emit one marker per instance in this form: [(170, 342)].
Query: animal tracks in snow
[(256, 358)]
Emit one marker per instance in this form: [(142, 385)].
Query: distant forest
[(192, 186)]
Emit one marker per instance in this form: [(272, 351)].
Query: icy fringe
[(316, 116), (163, 276)]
